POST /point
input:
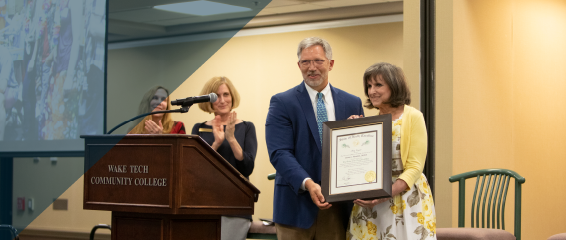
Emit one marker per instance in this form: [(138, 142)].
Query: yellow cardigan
[(413, 145)]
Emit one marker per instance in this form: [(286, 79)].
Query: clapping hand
[(218, 131), (152, 128), (231, 126)]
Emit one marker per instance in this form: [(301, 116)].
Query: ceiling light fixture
[(202, 8)]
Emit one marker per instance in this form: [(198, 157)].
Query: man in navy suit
[(293, 132)]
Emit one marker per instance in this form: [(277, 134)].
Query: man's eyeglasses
[(306, 63)]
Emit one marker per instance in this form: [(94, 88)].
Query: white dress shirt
[(327, 98), (328, 102)]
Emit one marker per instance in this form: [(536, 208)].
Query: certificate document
[(357, 159)]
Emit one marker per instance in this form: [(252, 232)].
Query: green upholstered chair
[(488, 205), (260, 231)]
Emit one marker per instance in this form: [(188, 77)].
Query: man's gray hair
[(312, 41)]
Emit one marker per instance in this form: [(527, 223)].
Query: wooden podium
[(163, 186)]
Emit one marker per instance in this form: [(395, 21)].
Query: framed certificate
[(356, 159)]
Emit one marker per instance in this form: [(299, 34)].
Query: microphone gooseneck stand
[(183, 109)]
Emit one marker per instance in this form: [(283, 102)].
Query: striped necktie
[(320, 114)]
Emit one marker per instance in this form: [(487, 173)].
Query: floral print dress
[(409, 215)]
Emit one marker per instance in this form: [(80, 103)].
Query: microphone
[(185, 103), (198, 99)]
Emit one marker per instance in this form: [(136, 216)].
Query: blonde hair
[(145, 107), (211, 86)]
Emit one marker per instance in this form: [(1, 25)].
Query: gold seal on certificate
[(370, 176)]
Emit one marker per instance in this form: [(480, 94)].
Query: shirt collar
[(313, 93)]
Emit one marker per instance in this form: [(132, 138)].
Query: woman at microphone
[(157, 99), (234, 139)]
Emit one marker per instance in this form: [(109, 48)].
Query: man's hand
[(356, 116), (316, 195)]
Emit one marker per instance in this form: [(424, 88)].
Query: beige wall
[(506, 87), (539, 81), (412, 48), (259, 66), (444, 119), (482, 79)]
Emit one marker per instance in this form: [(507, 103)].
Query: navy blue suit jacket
[(295, 151)]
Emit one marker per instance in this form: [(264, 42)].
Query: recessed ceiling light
[(202, 8)]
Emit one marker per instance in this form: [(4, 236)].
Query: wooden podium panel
[(159, 226), (195, 229), (230, 195), (108, 187), (163, 186), (137, 228)]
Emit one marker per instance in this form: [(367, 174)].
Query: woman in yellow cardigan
[(409, 214)]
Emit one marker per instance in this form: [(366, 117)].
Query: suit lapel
[(306, 105), (339, 105)]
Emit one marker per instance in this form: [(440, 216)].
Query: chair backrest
[(271, 176), (491, 190), (105, 226)]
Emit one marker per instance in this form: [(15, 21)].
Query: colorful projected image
[(51, 68)]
